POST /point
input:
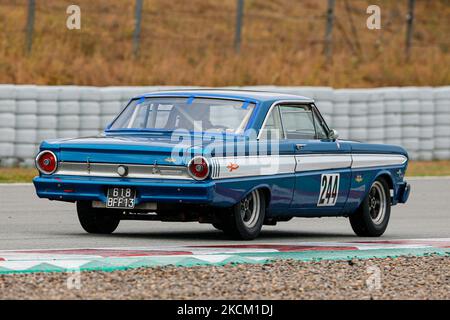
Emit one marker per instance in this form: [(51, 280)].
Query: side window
[(272, 128), (298, 122), (321, 132)]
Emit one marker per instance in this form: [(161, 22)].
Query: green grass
[(428, 168), (415, 169), (16, 175)]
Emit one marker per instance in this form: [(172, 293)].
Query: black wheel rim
[(377, 203), (250, 209)]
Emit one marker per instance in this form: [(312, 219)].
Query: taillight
[(198, 168), (46, 162)]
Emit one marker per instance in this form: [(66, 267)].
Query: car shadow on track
[(214, 235)]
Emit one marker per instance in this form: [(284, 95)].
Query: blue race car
[(235, 159)]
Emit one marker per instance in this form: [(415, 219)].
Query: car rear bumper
[(147, 190), (403, 192)]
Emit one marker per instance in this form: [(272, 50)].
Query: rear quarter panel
[(363, 178)]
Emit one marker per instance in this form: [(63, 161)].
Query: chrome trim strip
[(109, 170), (322, 162), (215, 168), (377, 160)]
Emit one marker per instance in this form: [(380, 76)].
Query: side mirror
[(333, 135)]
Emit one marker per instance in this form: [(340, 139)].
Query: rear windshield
[(199, 114)]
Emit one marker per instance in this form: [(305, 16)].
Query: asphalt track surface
[(27, 222)]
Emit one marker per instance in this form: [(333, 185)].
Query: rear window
[(181, 113)]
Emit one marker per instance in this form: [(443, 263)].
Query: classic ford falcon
[(235, 159)]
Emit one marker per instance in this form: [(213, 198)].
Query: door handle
[(300, 146)]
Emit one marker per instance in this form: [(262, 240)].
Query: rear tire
[(372, 217), (97, 221), (246, 218)]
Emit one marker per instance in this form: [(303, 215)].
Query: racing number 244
[(329, 189)]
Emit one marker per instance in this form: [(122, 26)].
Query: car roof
[(261, 96)]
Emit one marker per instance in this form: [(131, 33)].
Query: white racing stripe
[(233, 167), (247, 166)]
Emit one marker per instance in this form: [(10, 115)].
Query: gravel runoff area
[(392, 278)]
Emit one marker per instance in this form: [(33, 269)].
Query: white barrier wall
[(417, 118)]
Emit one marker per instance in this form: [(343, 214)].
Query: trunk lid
[(122, 149)]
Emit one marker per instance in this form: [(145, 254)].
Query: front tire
[(247, 217), (97, 221), (372, 217)]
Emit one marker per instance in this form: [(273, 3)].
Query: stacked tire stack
[(376, 116), (415, 118), (47, 114), (110, 105), (410, 121), (324, 97), (128, 93), (426, 126), (442, 127), (7, 125), (69, 112), (393, 115), (90, 108), (341, 113), (26, 125), (359, 110)]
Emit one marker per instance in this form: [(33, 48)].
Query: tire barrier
[(418, 118)]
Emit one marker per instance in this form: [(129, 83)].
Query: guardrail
[(417, 118)]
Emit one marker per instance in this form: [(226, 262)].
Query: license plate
[(121, 198)]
